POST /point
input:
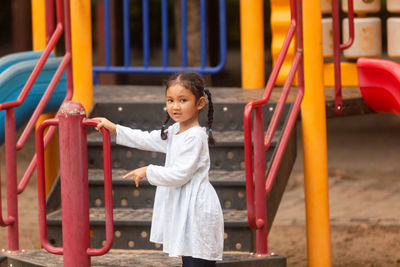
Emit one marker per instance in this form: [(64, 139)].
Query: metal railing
[(72, 122), (54, 33), (337, 48), (165, 66), (258, 190)]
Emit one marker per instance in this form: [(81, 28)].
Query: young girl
[(187, 216)]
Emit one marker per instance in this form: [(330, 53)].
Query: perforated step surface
[(132, 229), (229, 185), (228, 154)]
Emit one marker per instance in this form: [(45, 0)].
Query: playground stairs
[(143, 107)]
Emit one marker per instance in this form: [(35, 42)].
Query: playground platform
[(120, 258), (353, 104)]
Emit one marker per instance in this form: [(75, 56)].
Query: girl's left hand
[(137, 175)]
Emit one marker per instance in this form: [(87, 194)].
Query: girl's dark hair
[(195, 83)]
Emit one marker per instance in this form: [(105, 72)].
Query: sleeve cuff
[(149, 171)]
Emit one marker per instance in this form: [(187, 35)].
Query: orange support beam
[(252, 44), (313, 119)]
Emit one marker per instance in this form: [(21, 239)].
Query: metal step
[(143, 106), (228, 154), (132, 229), (230, 187)]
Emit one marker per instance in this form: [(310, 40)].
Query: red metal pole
[(50, 23), (259, 175), (336, 56), (74, 184), (11, 174)]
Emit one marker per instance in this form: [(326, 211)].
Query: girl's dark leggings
[(194, 262)]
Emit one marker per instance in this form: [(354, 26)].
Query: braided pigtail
[(211, 140), (164, 135)]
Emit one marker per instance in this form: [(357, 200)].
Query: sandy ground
[(364, 184)]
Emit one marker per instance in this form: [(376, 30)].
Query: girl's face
[(182, 106)]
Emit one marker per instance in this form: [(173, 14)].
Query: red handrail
[(41, 187), (11, 144), (108, 200), (65, 64), (74, 186), (256, 202), (337, 48)]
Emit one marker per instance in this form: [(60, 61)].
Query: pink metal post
[(259, 177), (11, 173), (72, 124), (74, 184)]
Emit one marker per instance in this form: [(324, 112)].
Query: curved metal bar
[(60, 11), (42, 187), (350, 15), (107, 191)]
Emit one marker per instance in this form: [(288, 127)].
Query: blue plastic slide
[(15, 70)]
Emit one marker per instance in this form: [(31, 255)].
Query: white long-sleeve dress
[(187, 215)]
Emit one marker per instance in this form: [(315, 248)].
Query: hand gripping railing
[(337, 48), (256, 205), (11, 144), (72, 125)]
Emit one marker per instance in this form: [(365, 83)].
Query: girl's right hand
[(110, 126)]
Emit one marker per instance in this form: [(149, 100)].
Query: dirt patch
[(352, 246)]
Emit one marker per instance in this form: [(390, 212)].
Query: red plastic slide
[(379, 82)]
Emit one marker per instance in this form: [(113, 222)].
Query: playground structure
[(378, 100)]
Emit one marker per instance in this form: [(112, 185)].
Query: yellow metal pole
[(313, 120), (38, 25), (39, 43), (81, 38), (252, 43)]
